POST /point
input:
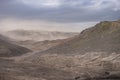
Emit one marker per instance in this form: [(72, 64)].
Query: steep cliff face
[(103, 37)]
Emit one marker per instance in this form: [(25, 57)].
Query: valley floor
[(58, 67), (26, 71)]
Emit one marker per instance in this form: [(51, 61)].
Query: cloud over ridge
[(61, 10)]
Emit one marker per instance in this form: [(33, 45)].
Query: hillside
[(103, 37), (36, 35), (7, 49), (67, 56), (40, 45), (86, 55)]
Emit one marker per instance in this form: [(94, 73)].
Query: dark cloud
[(72, 11)]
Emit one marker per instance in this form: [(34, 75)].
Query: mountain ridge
[(23, 35), (103, 37)]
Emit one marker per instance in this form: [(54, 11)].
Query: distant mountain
[(23, 35), (40, 45), (103, 37), (7, 49)]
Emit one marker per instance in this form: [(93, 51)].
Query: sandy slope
[(8, 49)]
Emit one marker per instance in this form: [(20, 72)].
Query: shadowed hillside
[(7, 49)]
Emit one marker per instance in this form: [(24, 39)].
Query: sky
[(59, 15)]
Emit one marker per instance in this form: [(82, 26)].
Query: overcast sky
[(68, 15)]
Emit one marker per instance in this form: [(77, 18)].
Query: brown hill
[(7, 49), (40, 45), (103, 37)]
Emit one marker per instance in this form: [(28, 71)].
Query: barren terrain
[(94, 54)]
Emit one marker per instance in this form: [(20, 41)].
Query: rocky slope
[(103, 37), (7, 49), (92, 55), (10, 70)]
